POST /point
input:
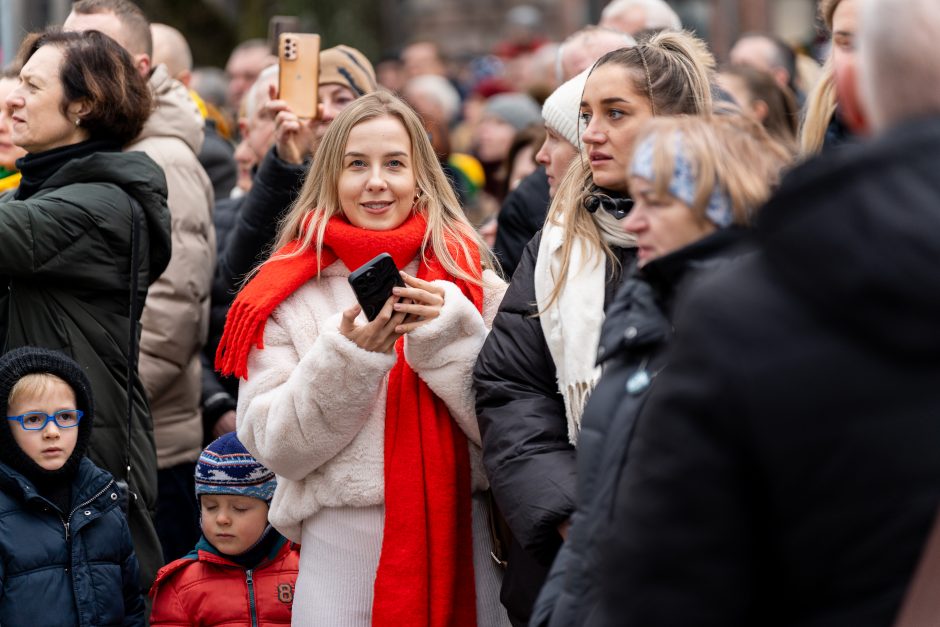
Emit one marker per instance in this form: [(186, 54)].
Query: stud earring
[(78, 121)]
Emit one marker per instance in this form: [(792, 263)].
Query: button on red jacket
[(205, 588)]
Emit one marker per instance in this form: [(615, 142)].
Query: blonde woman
[(370, 426), (824, 124), (537, 369), (696, 182)]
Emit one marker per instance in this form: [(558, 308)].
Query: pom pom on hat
[(562, 109), (226, 467)]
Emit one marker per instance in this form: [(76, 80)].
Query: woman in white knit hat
[(561, 113), (524, 210)]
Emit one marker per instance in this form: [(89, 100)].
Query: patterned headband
[(683, 183)]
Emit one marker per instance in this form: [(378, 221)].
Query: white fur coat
[(313, 406)]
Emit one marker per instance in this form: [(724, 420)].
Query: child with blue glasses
[(65, 549)]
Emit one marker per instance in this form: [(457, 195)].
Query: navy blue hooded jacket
[(67, 568)]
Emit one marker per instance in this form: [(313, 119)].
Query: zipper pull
[(66, 531), (248, 578)]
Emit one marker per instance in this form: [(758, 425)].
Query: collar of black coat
[(85, 483), (642, 310), (855, 236), (666, 272), (37, 167)]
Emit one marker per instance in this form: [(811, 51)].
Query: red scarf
[(425, 575)]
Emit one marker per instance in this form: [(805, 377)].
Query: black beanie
[(20, 362)]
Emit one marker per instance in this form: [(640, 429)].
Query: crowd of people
[(659, 349)]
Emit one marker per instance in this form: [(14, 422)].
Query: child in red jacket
[(242, 571)]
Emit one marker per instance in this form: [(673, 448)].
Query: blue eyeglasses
[(37, 420)]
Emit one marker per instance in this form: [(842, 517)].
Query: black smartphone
[(373, 283)]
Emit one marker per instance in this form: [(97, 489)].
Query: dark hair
[(672, 68), (96, 69), (532, 135), (129, 14), (782, 119), (783, 57)]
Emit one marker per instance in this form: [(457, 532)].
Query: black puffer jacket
[(217, 158), (520, 218), (528, 457), (632, 352), (67, 568), (245, 231), (784, 471), (218, 392), (65, 261)]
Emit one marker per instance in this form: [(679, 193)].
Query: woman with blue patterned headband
[(695, 182)]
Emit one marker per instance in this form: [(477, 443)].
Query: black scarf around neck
[(36, 168)]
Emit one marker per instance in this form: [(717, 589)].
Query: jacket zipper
[(251, 598), (66, 522)]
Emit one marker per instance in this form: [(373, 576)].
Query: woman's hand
[(378, 336), (422, 301), (295, 138)]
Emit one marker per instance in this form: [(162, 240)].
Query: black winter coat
[(245, 231), (217, 158), (632, 352), (520, 218), (784, 471), (218, 392), (528, 458), (67, 568), (65, 260)]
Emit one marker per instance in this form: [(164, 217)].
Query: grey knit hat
[(563, 108), (519, 110)]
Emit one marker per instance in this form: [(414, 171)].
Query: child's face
[(232, 524), (50, 447)]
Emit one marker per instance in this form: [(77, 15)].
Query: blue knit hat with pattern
[(225, 467)]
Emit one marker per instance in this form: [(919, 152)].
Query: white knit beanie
[(562, 109)]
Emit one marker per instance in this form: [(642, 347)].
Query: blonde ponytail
[(673, 68), (820, 107)]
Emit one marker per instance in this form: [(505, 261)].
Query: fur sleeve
[(444, 351), (298, 410)]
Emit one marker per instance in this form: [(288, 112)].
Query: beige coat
[(313, 406), (176, 315)]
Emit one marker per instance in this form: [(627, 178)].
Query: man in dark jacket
[(785, 468)]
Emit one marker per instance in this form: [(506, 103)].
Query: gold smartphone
[(298, 57)]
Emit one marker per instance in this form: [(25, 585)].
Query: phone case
[(299, 72), (373, 283)]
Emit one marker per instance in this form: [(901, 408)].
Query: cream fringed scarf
[(572, 324)]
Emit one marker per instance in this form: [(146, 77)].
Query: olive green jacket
[(65, 259)]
